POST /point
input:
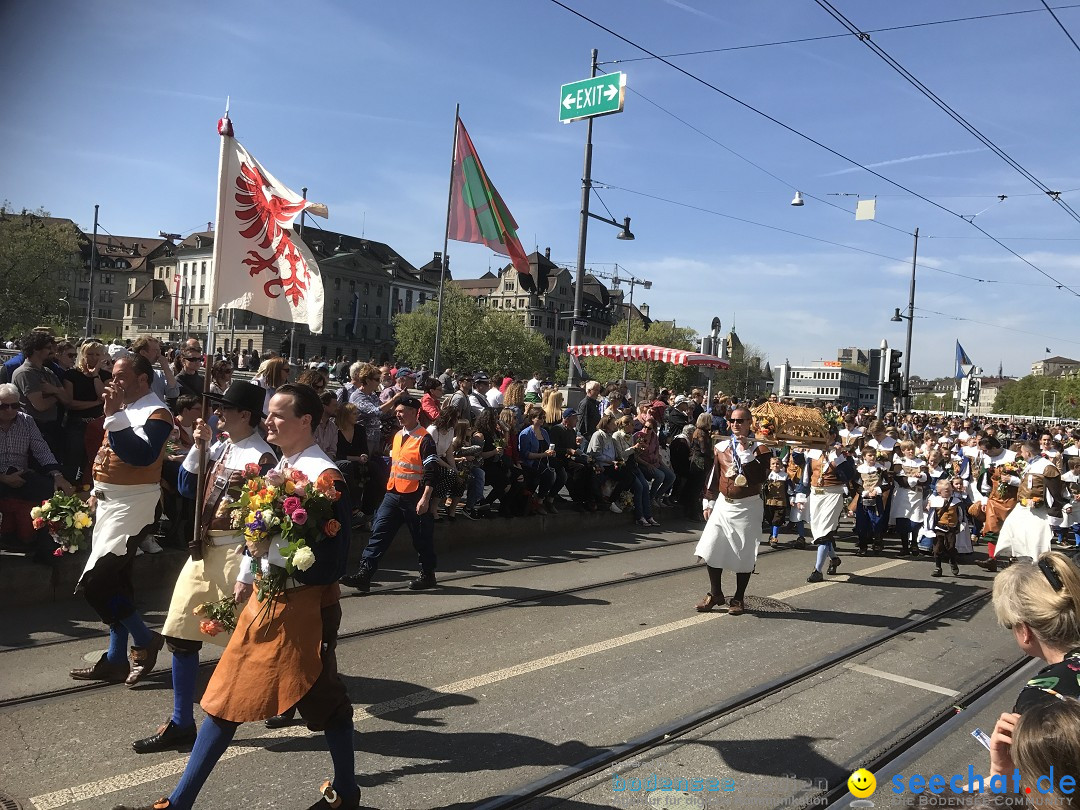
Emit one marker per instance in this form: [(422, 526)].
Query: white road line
[(172, 767), (888, 676)]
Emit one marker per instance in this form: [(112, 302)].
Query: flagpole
[(225, 131), (445, 246)]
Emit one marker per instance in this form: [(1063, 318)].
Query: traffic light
[(896, 377), (965, 388), (706, 345), (974, 389), (874, 370)]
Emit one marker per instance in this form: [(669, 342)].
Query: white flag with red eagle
[(261, 264)]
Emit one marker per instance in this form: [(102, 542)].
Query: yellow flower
[(290, 487), (82, 520)]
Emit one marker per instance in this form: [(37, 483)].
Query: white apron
[(731, 536), (122, 511), (1025, 533), (826, 504)]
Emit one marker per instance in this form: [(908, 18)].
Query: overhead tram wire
[(745, 159), (802, 40), (703, 210), (953, 317), (1061, 25), (944, 106), (1059, 284)]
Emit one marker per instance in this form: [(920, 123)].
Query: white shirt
[(533, 386)]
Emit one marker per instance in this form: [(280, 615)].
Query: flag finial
[(224, 125)]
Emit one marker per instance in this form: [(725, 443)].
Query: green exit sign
[(588, 98)]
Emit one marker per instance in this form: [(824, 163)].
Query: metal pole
[(583, 231), (883, 375), (93, 266), (906, 398), (445, 247), (629, 312)]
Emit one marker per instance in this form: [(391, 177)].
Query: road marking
[(173, 767), (888, 676)]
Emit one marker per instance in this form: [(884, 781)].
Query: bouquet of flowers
[(765, 427), (626, 500), (288, 504), (1005, 472), (68, 519), (217, 617)]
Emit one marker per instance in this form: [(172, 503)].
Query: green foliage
[(744, 377), (655, 375), (473, 338), (1026, 396), (934, 402), (37, 258)]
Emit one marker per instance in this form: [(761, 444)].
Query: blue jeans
[(639, 486), (476, 488), (662, 479), (398, 508)]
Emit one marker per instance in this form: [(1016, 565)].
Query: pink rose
[(58, 553), (274, 478), (39, 522), (299, 517), (290, 505)]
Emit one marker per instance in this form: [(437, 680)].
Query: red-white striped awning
[(660, 354)]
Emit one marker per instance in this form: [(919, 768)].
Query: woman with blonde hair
[(85, 426), (514, 400), (272, 374), (553, 406)]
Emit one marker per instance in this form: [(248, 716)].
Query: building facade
[(827, 381), (1056, 366)]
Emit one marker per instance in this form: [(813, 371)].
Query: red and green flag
[(477, 212)]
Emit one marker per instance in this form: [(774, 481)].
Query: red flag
[(477, 212)]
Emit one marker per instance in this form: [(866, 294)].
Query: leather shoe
[(286, 718), (987, 565), (815, 576), (161, 804), (102, 671), (143, 659), (331, 799), (708, 603), (168, 736), (833, 565), (361, 580), (426, 581), (736, 608)]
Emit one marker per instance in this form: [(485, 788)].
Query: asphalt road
[(452, 712)]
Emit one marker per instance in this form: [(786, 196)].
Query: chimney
[(437, 258), (547, 253), (644, 310)]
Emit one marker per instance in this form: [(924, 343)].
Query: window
[(509, 285), (202, 292), (185, 268), (106, 278), (378, 332), (202, 271), (127, 310), (521, 303), (337, 286), (84, 293), (335, 329), (379, 293), (423, 298), (367, 289), (363, 309), (352, 284), (142, 310), (408, 300), (378, 311), (335, 305), (363, 332)]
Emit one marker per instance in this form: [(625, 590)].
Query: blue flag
[(961, 360)]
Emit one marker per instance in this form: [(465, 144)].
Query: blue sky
[(115, 102)]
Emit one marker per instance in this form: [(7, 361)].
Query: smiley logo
[(862, 783)]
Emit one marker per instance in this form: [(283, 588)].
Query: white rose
[(35, 512), (303, 559)]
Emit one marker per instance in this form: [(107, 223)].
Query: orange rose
[(210, 627), (325, 481), (331, 528), (297, 477)]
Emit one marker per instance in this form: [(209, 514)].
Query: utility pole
[(905, 400), (883, 376), (583, 231), (93, 267)]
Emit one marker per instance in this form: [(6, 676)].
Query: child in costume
[(775, 493), (945, 519), (871, 489)]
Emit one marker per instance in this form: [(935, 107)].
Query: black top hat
[(243, 396)]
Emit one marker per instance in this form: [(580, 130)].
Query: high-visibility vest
[(406, 465)]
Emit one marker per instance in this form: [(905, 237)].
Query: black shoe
[(815, 576), (426, 581), (361, 580), (282, 720), (936, 572), (834, 563), (469, 513), (102, 671), (168, 736), (330, 799), (955, 570), (799, 542)]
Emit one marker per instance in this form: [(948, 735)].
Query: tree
[(38, 256), (473, 338), (1040, 396), (744, 377), (656, 375)]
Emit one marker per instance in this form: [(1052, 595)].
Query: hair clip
[(1051, 576)]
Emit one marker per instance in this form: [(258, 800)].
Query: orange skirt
[(273, 658), (996, 512)]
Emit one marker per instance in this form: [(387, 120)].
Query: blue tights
[(825, 550), (185, 669)]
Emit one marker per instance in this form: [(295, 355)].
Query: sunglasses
[(738, 420), (9, 405), (192, 359)]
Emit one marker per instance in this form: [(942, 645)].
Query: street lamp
[(632, 280)]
